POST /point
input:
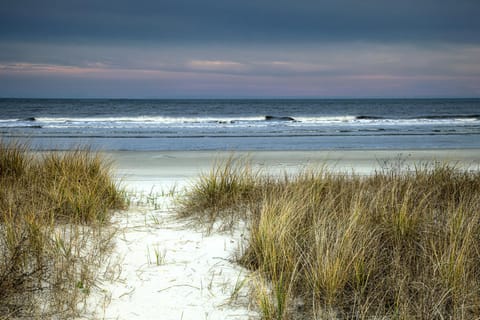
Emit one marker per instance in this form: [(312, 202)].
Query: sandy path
[(171, 271), (165, 268)]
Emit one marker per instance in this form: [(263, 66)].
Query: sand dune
[(168, 269)]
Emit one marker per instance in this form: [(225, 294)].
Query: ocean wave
[(468, 117), (160, 119), (326, 119), (147, 119), (21, 127), (237, 121), (279, 118)]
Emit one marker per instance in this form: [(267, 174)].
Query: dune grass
[(53, 212), (223, 194), (397, 244)]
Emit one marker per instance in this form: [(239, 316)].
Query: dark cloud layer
[(234, 21)]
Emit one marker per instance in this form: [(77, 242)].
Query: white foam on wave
[(332, 119), (146, 119), (8, 120), (382, 121), (149, 122)]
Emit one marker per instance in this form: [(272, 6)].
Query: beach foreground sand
[(168, 269)]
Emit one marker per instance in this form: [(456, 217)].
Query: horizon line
[(245, 98)]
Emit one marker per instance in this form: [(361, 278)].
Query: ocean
[(165, 125)]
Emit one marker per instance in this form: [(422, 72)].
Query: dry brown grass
[(53, 213), (398, 244)]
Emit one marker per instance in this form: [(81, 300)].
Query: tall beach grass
[(53, 211), (397, 244), (222, 195)]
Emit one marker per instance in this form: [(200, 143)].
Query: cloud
[(216, 65), (35, 68), (333, 70), (295, 67), (249, 21), (269, 61)]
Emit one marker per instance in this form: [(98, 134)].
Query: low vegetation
[(397, 244), (224, 194), (53, 212)]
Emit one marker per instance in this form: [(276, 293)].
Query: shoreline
[(146, 170)]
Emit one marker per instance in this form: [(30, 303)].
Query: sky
[(239, 48)]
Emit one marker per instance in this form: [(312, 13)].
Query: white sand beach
[(167, 269)]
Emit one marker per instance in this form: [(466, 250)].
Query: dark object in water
[(368, 118), (274, 118)]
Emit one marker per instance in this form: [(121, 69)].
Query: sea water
[(321, 124)]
